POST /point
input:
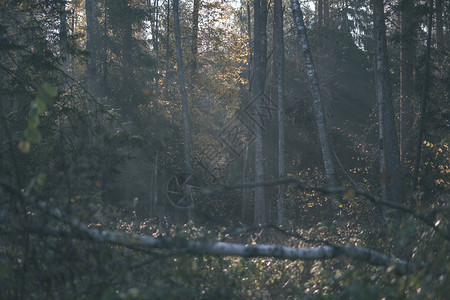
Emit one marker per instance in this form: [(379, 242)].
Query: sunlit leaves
[(349, 194), (437, 160), (24, 146)]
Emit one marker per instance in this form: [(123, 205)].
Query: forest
[(224, 149)]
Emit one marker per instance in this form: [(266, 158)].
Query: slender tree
[(63, 35), (259, 78), (407, 54), (168, 53), (439, 24), (194, 45), (423, 100), (279, 49), (92, 47), (317, 98), (183, 93), (389, 141), (319, 9), (127, 48), (155, 35)]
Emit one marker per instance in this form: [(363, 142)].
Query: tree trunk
[(423, 100), (154, 196), (183, 93), (194, 45), (92, 41), (156, 43), (250, 43), (63, 35), (407, 54), (317, 99), (127, 48), (326, 12), (244, 190), (279, 48), (259, 62), (168, 53), (439, 25), (105, 52), (384, 182), (319, 9), (389, 143)]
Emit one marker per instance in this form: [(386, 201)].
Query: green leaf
[(33, 135), (47, 94), (51, 90), (33, 122), (40, 180), (43, 97), (37, 107)]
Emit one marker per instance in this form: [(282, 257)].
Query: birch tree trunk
[(278, 28), (389, 141), (183, 93), (317, 99), (76, 229)]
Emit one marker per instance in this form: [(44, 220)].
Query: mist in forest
[(204, 149)]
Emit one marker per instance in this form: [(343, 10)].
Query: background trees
[(94, 124)]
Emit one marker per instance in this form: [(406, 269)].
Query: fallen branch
[(78, 230)]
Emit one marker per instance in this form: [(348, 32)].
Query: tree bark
[(279, 49), (183, 93), (104, 83), (194, 45), (259, 62), (317, 99), (127, 48), (407, 54), (423, 101), (326, 12), (63, 35), (92, 40), (389, 142), (156, 42), (244, 190), (168, 53), (319, 9), (439, 25), (250, 43)]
